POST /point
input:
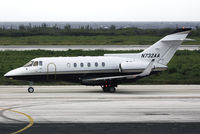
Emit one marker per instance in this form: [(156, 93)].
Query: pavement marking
[(31, 121)]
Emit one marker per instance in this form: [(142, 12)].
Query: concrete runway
[(85, 47), (82, 104), (160, 109)]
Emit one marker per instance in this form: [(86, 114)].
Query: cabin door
[(51, 71)]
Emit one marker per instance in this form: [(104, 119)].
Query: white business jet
[(107, 71)]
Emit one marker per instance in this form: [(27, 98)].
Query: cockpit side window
[(35, 63), (40, 63), (30, 63)]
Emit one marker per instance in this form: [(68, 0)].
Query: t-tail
[(163, 50)]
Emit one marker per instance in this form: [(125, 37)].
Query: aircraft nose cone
[(11, 73), (8, 74)]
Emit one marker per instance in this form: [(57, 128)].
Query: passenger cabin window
[(29, 64), (88, 64), (81, 64), (40, 63), (75, 65), (96, 64), (35, 63), (103, 64)]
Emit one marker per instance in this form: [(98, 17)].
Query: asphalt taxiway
[(68, 105)]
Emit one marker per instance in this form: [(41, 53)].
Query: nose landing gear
[(30, 89)]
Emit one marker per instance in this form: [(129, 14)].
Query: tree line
[(44, 29)]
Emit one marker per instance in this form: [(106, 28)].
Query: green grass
[(184, 68), (84, 40)]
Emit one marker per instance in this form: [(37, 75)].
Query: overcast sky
[(99, 10)]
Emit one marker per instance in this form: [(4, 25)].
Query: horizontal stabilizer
[(180, 30), (174, 40)]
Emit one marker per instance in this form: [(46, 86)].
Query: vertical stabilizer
[(164, 49)]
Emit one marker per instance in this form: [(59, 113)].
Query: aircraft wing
[(146, 72)]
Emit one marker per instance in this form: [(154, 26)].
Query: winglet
[(147, 71)]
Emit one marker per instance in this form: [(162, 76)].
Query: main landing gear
[(109, 88), (30, 89)]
